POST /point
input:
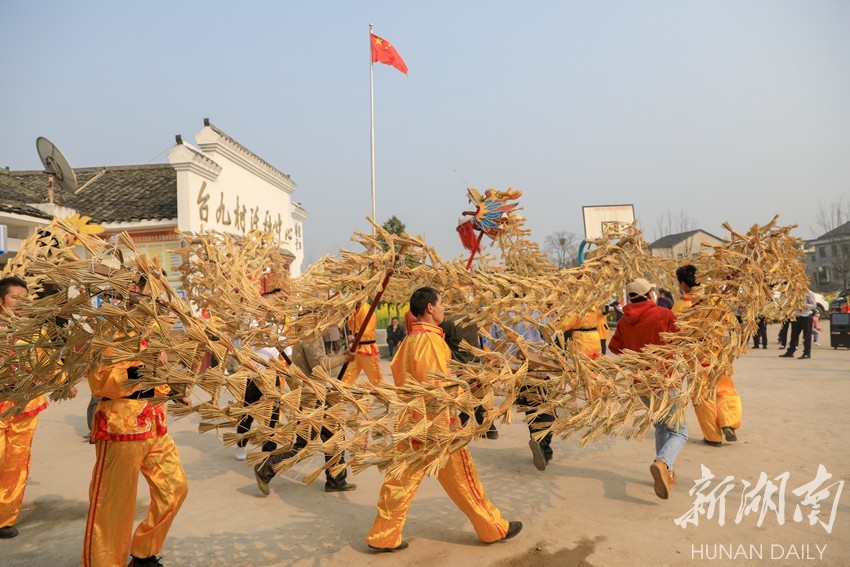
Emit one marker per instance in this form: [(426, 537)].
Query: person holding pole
[(366, 356)]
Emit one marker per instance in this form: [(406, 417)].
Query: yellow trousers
[(724, 411), (15, 444), (460, 481), (112, 499), (370, 364)]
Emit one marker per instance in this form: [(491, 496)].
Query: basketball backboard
[(597, 217)]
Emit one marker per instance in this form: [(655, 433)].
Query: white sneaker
[(241, 453)]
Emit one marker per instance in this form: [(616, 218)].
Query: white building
[(684, 245), (218, 185)]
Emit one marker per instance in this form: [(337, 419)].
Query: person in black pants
[(761, 333), (782, 337), (395, 334), (803, 323), (529, 399), (252, 395), (531, 396), (306, 355), (252, 391), (455, 332)]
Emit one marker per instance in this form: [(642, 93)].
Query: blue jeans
[(668, 440)]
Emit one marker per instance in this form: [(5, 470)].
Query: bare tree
[(668, 224), (837, 245), (562, 247)]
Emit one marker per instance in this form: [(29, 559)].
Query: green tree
[(394, 226)]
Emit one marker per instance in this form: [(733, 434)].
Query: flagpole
[(372, 117)]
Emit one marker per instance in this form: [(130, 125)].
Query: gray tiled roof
[(672, 240), (125, 193), (21, 209), (840, 230)]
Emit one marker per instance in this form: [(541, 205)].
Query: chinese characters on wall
[(238, 217)]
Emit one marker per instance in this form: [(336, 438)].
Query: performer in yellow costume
[(130, 438), (422, 351), (719, 417), (367, 357), (583, 331), (16, 432), (602, 327)]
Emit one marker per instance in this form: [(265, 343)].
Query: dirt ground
[(593, 506)]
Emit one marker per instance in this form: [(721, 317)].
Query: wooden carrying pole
[(372, 308)]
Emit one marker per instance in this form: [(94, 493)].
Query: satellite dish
[(56, 165)]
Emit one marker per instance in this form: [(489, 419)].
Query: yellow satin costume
[(725, 410), (16, 435), (367, 357), (421, 351), (130, 437), (585, 332)]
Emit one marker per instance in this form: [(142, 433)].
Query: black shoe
[(8, 532), (492, 434), (345, 487), (402, 545), (537, 455), (151, 561), (712, 443), (787, 355), (805, 356), (729, 433), (262, 483), (755, 347), (513, 529)]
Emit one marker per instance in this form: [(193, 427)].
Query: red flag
[(384, 52)]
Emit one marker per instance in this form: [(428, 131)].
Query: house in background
[(828, 259), (683, 245), (218, 185)]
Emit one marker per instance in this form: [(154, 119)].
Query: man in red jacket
[(642, 323)]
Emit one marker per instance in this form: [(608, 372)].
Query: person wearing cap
[(425, 351), (642, 324), (720, 415), (367, 357)]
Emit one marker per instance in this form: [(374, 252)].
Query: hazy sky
[(730, 110)]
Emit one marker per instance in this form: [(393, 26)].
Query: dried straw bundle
[(389, 427)]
